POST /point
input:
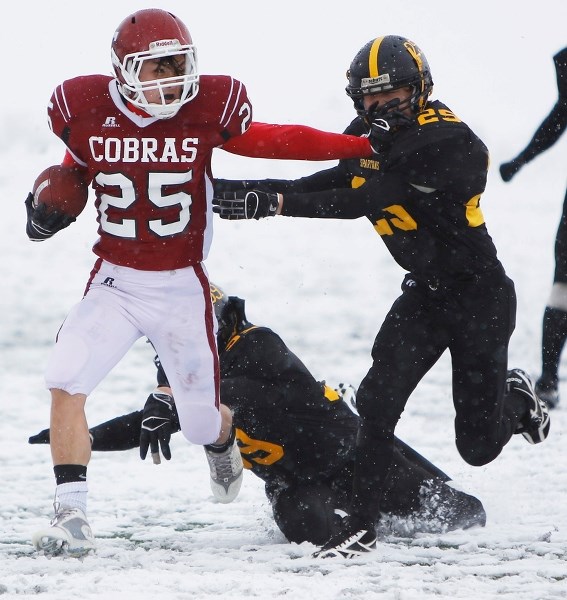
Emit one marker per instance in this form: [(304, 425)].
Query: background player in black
[(421, 192), (555, 315), (297, 435)]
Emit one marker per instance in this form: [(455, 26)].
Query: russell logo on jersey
[(110, 122)]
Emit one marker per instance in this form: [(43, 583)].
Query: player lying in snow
[(297, 435)]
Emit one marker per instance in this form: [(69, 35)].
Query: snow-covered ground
[(324, 286)]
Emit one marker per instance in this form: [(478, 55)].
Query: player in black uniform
[(296, 434), (421, 192), (555, 314)]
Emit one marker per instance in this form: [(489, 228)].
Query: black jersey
[(289, 426), (422, 197)]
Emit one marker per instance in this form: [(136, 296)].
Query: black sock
[(69, 473), (223, 447)]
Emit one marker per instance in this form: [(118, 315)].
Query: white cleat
[(226, 472), (68, 534)]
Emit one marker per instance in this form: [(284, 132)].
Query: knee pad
[(558, 296), (306, 513)]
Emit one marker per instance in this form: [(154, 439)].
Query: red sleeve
[(69, 161), (296, 142)]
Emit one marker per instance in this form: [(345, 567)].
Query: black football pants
[(474, 320), (415, 491)]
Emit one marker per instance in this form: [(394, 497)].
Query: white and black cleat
[(536, 424), (352, 541)]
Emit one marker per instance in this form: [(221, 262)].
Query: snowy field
[(324, 286)]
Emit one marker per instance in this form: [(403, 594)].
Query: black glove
[(40, 438), (509, 169), (157, 426), (384, 127), (253, 204), (44, 222)]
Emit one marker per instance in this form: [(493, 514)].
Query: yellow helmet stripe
[(416, 55), (373, 57)]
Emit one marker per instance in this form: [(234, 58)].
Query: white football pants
[(173, 309)]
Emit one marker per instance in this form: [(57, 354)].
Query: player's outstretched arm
[(551, 128), (120, 433)]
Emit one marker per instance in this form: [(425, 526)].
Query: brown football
[(61, 188)]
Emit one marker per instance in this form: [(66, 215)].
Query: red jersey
[(152, 177)]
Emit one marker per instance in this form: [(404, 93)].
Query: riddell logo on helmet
[(380, 80), (163, 44)]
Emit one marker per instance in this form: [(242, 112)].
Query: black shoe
[(547, 390), (443, 507), (354, 538), (535, 425)]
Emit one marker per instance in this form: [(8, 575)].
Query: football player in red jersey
[(144, 139)]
